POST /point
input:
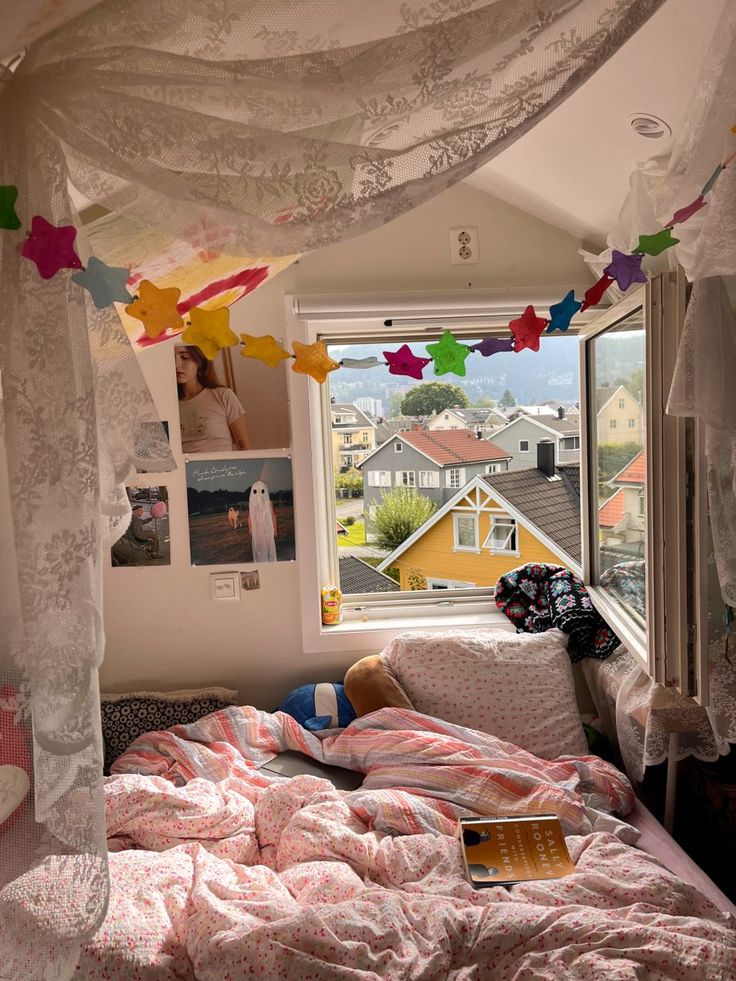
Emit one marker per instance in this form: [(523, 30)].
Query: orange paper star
[(209, 331), (266, 349), (313, 360), (156, 309)]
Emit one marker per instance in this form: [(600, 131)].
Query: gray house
[(435, 464), (520, 438), (483, 421)]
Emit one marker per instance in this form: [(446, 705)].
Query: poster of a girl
[(210, 414)]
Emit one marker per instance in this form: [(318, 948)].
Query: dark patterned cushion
[(125, 717)]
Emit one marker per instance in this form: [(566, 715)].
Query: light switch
[(225, 586)]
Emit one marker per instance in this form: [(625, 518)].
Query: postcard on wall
[(214, 399), (146, 540), (240, 510)]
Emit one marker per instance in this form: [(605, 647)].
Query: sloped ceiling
[(573, 168)]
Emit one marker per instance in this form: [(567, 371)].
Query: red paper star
[(526, 330), (405, 362), (51, 247), (687, 212), (594, 293)]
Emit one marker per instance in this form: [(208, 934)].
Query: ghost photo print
[(240, 510)]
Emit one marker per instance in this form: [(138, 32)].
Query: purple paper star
[(625, 269), (51, 247), (404, 362), (493, 345), (687, 212)]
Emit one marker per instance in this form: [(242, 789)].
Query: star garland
[(52, 248)]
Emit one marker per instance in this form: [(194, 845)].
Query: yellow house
[(494, 524), (620, 416), (353, 436)]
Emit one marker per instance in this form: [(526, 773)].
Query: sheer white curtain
[(278, 126)]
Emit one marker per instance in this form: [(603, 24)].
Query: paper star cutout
[(657, 243), (625, 269), (156, 309), (8, 197), (105, 284), (51, 247), (493, 345), (209, 331), (313, 360), (405, 362), (448, 355), (562, 313), (527, 329), (594, 294), (266, 349), (711, 182), (688, 211)]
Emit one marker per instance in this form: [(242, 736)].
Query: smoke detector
[(650, 127)]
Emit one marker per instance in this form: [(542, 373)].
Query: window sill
[(461, 548)]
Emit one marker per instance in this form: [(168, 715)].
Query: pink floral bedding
[(251, 877)]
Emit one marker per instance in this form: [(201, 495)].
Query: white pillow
[(518, 687)]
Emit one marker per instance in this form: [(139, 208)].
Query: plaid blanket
[(538, 596)]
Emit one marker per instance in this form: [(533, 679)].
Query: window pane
[(620, 463), (466, 530)]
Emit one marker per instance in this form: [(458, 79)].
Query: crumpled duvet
[(253, 877)]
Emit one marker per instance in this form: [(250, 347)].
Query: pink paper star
[(526, 330), (687, 212), (405, 362), (51, 247)]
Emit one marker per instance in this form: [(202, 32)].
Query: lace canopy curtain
[(650, 723), (278, 127)]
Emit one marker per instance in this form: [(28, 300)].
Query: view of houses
[(455, 498)]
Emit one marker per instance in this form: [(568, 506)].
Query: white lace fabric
[(276, 127)]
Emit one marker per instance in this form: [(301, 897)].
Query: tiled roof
[(473, 417), (455, 446), (565, 427), (604, 394), (347, 408), (635, 472), (572, 472), (357, 576), (387, 428), (612, 510), (553, 506)]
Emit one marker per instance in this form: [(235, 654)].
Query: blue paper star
[(562, 313), (625, 269), (105, 284), (493, 345)]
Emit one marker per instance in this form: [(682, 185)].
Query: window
[(378, 478), (466, 531), (347, 437), (493, 468), (641, 505), (448, 584), (398, 447), (622, 403), (348, 459), (523, 446), (455, 478), (502, 536), (571, 443), (406, 478), (611, 423), (632, 423), (429, 478)]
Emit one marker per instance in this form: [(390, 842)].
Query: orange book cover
[(502, 851)]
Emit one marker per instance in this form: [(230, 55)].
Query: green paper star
[(8, 217), (448, 355), (654, 244)]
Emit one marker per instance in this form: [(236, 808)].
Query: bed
[(226, 865)]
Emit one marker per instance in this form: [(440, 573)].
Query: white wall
[(162, 629)]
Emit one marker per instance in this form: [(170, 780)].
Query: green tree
[(507, 400), (351, 481), (433, 397), (399, 514), (394, 404)]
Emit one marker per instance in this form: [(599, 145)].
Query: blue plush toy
[(323, 706)]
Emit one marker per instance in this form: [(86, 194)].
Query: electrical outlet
[(464, 245)]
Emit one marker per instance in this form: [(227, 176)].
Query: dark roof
[(565, 427), (386, 428), (473, 417), (553, 506), (356, 576), (347, 408), (449, 447)]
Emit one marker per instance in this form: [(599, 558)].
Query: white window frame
[(405, 478), (457, 547), (461, 478), (429, 479), (371, 620), (443, 584), (503, 520), (521, 448), (398, 447), (383, 478), (493, 468)]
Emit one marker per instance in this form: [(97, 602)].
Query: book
[(504, 850)]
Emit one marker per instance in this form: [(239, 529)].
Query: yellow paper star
[(266, 349), (209, 331), (156, 308), (313, 360)]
